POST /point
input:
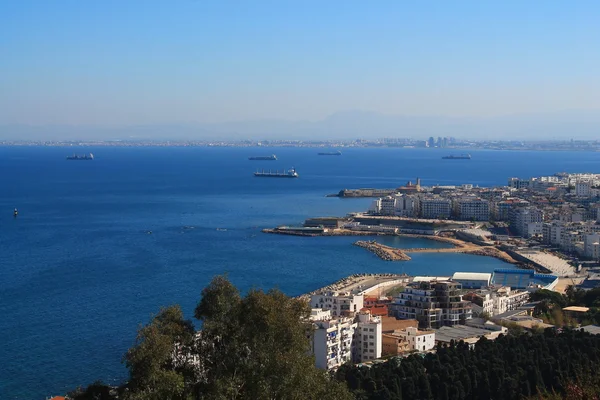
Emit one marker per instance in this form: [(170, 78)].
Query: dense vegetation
[(251, 347), (511, 367), (552, 303)]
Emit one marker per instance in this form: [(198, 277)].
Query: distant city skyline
[(202, 69)]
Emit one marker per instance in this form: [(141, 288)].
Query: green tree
[(257, 347), (152, 368)]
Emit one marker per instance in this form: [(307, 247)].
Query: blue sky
[(122, 62)]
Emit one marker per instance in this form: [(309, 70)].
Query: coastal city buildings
[(526, 221), (435, 207), (351, 334), (432, 304)]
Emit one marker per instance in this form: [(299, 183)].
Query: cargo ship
[(331, 153), (461, 157), (272, 157), (291, 173), (83, 157)]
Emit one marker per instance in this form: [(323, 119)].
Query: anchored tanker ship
[(272, 157), (461, 157), (83, 157), (331, 153), (291, 173)]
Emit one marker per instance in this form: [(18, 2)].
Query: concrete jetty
[(384, 252)]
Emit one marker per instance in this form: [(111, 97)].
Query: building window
[(370, 336)]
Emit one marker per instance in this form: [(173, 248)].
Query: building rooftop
[(576, 309), (459, 332), (474, 276), (593, 329)]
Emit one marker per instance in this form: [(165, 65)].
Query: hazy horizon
[(207, 70)]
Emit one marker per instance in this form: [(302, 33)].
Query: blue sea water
[(99, 246)]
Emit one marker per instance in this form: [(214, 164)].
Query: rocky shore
[(384, 252)]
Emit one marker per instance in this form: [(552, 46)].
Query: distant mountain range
[(577, 124)]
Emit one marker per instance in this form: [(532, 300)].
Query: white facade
[(534, 229), (368, 337), (435, 207), (472, 280), (521, 217), (474, 209), (591, 245), (340, 303), (396, 205), (506, 299), (346, 339), (583, 188), (418, 340), (332, 342), (518, 183)]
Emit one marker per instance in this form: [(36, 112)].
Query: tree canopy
[(250, 347)]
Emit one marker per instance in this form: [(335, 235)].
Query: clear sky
[(113, 62)]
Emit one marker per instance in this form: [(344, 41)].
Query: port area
[(365, 284), (388, 253)]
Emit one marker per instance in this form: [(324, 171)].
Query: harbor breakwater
[(384, 252)]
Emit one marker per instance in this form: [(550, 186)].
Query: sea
[(99, 246)]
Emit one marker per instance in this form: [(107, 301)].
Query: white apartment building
[(472, 209), (339, 303), (522, 217), (336, 341), (591, 245), (368, 337), (417, 339), (583, 188), (435, 207), (332, 342), (518, 183), (506, 299), (552, 232), (501, 209), (398, 205)]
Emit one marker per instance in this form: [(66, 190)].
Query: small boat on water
[(330, 153), (290, 173), (272, 157), (15, 213), (460, 157), (81, 157)]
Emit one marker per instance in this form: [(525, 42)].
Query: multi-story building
[(433, 207), (591, 245), (501, 209), (526, 221), (393, 344), (506, 299), (482, 300), (583, 188), (332, 341), (418, 340), (472, 209), (432, 303), (340, 303), (368, 337), (552, 232), (398, 205), (518, 183)]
